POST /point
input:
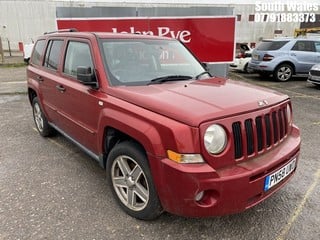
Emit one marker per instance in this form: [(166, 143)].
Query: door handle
[(60, 88), (40, 79)]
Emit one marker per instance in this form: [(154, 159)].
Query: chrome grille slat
[(315, 73)]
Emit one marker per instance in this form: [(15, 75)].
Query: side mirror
[(86, 76)]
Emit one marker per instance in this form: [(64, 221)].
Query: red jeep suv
[(170, 136)]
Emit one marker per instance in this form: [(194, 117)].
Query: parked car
[(170, 136), (314, 75), (243, 56), (284, 58), (27, 50)]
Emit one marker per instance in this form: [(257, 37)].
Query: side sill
[(96, 157)]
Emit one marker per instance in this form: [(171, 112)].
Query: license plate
[(276, 177), (255, 56)]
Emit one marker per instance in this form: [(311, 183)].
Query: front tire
[(40, 119), (131, 182), (283, 73), (245, 68)]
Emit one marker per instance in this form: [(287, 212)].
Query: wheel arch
[(112, 137), (118, 126), (289, 63), (31, 94)]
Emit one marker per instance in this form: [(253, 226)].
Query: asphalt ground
[(49, 189)]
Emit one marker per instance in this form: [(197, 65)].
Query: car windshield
[(271, 45), (149, 61)]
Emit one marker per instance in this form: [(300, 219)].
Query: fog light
[(199, 196)]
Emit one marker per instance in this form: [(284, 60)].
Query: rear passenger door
[(305, 54), (48, 78), (79, 104), (317, 47)]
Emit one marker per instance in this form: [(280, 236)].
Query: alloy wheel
[(38, 116), (130, 183)]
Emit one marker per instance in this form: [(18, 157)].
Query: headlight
[(215, 139), (316, 67)]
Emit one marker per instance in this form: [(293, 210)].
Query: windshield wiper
[(169, 78), (202, 73)]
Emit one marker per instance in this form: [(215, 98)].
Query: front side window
[(306, 46), (53, 54), (139, 61), (78, 55), (37, 52)]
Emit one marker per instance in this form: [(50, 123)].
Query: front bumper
[(314, 79), (239, 64), (226, 191)]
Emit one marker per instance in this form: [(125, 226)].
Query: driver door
[(304, 53), (79, 107)]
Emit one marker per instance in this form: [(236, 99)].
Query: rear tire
[(245, 68), (130, 179), (40, 119), (283, 73)]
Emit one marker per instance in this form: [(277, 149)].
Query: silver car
[(284, 57), (314, 75)]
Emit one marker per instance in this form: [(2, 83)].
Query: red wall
[(211, 39)]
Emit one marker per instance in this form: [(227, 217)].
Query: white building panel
[(22, 21)]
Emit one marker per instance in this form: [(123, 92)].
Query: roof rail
[(62, 31)]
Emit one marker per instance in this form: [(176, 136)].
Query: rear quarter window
[(271, 45), (37, 52)]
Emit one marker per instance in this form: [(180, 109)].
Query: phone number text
[(285, 17)]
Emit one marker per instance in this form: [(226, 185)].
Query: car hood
[(195, 102)]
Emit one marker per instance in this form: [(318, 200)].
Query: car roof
[(290, 39), (277, 39), (103, 35)]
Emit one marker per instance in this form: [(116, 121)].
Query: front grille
[(315, 73), (253, 136)]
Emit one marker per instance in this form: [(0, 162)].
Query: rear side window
[(271, 45), (306, 46), (317, 46), (53, 54), (78, 55), (37, 52)]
